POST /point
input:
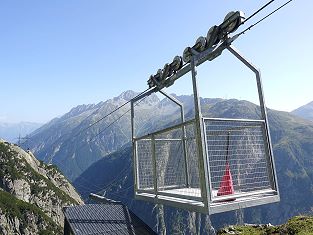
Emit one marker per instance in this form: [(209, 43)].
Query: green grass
[(298, 225)]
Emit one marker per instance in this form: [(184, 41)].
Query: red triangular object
[(226, 185)]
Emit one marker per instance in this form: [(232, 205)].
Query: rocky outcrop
[(19, 217), (38, 187)]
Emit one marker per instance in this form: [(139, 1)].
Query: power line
[(94, 112), (127, 167), (117, 119), (255, 13), (121, 106), (81, 131), (100, 118), (251, 26), (100, 132), (100, 189), (78, 133), (110, 184), (89, 185), (103, 130)]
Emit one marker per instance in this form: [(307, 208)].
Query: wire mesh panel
[(238, 157), (193, 158), (144, 163), (168, 165), (171, 165), (175, 157)]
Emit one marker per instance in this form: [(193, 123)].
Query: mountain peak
[(78, 110), (307, 106), (305, 111), (127, 95)]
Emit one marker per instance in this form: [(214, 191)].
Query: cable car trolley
[(205, 164)]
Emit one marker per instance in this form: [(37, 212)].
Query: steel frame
[(206, 203)]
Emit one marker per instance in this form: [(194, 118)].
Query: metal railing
[(167, 162)]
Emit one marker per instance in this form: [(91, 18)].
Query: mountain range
[(81, 137), (97, 157)]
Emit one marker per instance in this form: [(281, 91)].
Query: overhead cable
[(114, 121), (251, 26), (255, 13), (121, 106)]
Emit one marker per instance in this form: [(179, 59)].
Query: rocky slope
[(19, 217), (32, 193)]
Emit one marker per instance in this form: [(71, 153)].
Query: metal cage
[(209, 165)]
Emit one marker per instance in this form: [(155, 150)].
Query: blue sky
[(55, 55)]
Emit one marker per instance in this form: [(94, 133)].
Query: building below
[(108, 218)]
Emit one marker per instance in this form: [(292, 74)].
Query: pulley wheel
[(212, 36), (166, 71), (234, 24), (187, 55), (177, 63), (159, 75), (150, 81), (200, 44)]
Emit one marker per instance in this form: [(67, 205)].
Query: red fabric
[(226, 185)]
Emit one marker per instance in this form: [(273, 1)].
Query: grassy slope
[(300, 225)]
